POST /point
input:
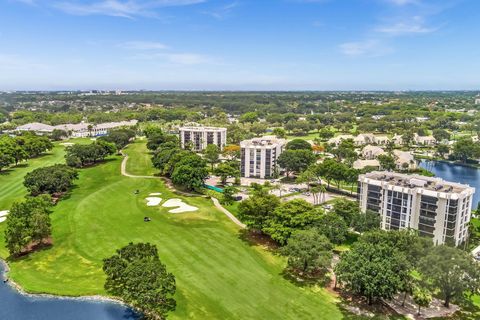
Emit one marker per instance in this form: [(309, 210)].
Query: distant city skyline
[(239, 45)]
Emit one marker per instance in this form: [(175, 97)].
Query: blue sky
[(240, 44)]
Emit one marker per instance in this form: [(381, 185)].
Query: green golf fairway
[(219, 276)]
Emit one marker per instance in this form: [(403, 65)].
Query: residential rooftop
[(201, 128), (413, 181), (263, 142)]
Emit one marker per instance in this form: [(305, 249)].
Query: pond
[(16, 306), (456, 173)]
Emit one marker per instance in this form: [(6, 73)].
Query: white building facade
[(259, 156), (200, 137), (436, 208), (78, 130)]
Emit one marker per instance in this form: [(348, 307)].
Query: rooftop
[(263, 141), (417, 181), (201, 128)]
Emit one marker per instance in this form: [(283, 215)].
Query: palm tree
[(278, 186), (90, 128), (323, 192)]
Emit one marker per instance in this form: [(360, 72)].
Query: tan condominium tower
[(436, 208), (259, 156), (199, 137)]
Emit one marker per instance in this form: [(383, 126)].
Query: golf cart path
[(123, 169), (228, 213)]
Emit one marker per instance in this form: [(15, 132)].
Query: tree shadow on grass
[(45, 245), (469, 311), (321, 279), (355, 307), (6, 172), (253, 238)]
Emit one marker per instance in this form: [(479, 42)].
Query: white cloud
[(370, 48), (29, 2), (178, 58), (403, 2), (119, 8), (143, 45), (187, 58), (222, 12), (415, 25)]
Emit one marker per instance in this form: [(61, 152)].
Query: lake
[(456, 173), (15, 306)]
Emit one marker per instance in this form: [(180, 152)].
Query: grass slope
[(139, 162), (219, 276)]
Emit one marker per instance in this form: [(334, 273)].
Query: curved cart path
[(123, 169)]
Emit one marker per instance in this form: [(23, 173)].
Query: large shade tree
[(136, 274), (451, 271), (308, 252)]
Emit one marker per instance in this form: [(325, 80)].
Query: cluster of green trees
[(331, 171), (28, 224), (263, 213), (136, 274), (119, 137), (465, 148), (22, 147), (297, 157), (384, 263), (81, 155), (52, 180), (184, 167)]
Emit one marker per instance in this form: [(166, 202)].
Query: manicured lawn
[(310, 136), (219, 276), (140, 159), (11, 180)]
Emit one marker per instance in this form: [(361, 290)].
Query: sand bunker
[(155, 194), (3, 215), (153, 201), (182, 206)]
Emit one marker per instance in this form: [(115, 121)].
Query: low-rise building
[(199, 137), (424, 140), (259, 156), (397, 139), (436, 208), (37, 127), (338, 139), (381, 140), (404, 160), (77, 130), (371, 152), (360, 164)]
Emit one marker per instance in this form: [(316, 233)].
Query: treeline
[(14, 150), (28, 225), (383, 264), (264, 212), (298, 224)]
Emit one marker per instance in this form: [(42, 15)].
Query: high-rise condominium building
[(259, 156), (436, 208), (200, 137)]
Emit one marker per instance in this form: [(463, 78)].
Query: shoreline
[(15, 286), (468, 165)]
